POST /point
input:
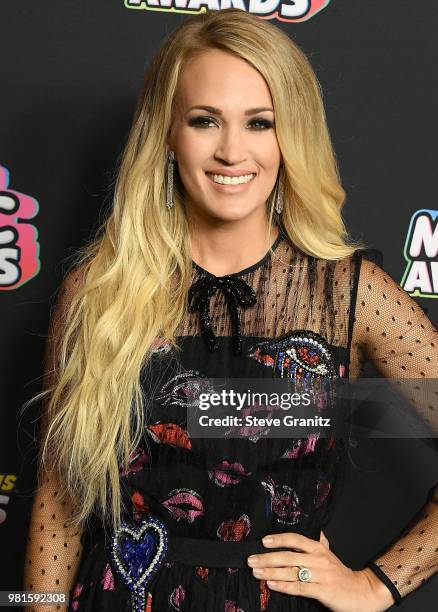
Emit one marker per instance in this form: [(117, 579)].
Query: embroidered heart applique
[(137, 552)]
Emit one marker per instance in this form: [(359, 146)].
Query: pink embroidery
[(231, 606), (177, 597), (301, 446), (108, 578)]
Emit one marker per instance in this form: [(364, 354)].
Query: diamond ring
[(304, 574)]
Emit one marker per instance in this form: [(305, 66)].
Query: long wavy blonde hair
[(95, 412)]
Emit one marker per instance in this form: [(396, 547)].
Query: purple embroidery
[(284, 502)]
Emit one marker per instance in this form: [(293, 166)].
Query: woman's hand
[(332, 583)]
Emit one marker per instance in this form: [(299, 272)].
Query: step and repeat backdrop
[(70, 76)]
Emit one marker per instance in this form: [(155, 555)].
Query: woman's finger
[(324, 540), (278, 559), (282, 573), (305, 589), (291, 540)]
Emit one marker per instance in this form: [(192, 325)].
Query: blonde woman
[(224, 254)]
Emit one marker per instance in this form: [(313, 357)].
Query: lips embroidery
[(226, 473), (264, 595), (301, 446), (184, 389), (283, 502), (170, 433), (234, 530), (177, 596), (184, 504), (140, 507), (137, 461)]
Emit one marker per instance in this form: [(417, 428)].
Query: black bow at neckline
[(237, 293)]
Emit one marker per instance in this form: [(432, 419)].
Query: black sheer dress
[(287, 316)]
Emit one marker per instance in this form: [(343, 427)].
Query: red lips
[(170, 433), (184, 504), (227, 473)]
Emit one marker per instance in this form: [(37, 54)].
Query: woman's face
[(224, 127)]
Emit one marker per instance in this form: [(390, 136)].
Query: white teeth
[(231, 180)]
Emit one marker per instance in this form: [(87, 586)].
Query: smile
[(230, 184), (223, 179)]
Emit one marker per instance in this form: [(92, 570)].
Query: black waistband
[(215, 553), (211, 553)]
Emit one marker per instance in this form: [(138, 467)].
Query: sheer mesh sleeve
[(394, 333), (53, 548)]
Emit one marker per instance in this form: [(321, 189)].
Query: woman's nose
[(231, 146)]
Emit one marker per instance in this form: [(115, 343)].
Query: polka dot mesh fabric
[(53, 548), (294, 291), (394, 333)]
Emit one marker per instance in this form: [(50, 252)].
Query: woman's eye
[(205, 122), (263, 123), (200, 121)]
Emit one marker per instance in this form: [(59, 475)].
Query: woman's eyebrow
[(217, 111)]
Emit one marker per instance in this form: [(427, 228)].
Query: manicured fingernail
[(271, 582), (258, 572), (267, 540), (253, 559)]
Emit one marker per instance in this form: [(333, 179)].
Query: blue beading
[(137, 552)]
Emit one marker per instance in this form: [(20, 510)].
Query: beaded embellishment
[(301, 354), (237, 293), (137, 551)]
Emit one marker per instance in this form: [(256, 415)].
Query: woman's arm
[(394, 333), (53, 549)]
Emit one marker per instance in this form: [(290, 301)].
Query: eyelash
[(197, 122)]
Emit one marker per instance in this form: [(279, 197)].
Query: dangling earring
[(279, 191), (170, 163)]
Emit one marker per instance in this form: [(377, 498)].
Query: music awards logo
[(19, 247), (295, 10), (421, 253)]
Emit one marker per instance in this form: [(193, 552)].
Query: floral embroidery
[(283, 502)]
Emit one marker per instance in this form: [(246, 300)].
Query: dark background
[(70, 76)]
